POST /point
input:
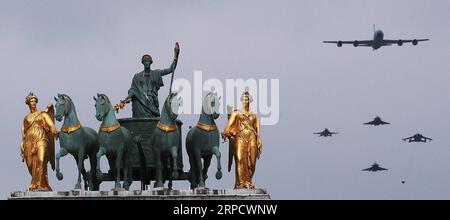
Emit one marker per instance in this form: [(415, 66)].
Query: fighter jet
[(417, 138), (325, 133), (377, 121), (377, 41), (374, 168)]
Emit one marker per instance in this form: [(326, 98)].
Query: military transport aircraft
[(374, 168), (417, 138), (325, 133), (377, 121), (377, 42)]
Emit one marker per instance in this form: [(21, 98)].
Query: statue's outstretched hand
[(119, 105), (54, 132), (224, 136)]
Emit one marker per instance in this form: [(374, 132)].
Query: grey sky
[(84, 47)]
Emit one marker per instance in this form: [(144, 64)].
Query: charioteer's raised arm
[(173, 66)]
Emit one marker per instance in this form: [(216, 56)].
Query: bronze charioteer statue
[(143, 92)]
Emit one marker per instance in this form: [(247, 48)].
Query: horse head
[(63, 106), (172, 105), (211, 105), (102, 106)]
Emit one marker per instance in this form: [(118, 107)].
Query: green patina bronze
[(115, 142), (143, 159), (167, 142), (143, 92), (79, 141), (202, 142), (140, 157), (136, 148)]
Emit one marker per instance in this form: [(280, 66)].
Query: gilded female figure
[(243, 131), (38, 145)]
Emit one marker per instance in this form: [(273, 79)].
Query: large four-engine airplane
[(377, 42)]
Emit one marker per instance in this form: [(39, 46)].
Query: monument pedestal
[(163, 194)]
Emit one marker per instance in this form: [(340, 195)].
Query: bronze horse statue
[(202, 142), (79, 141), (166, 140), (115, 142)]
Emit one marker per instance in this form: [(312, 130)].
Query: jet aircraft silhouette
[(326, 133), (417, 138), (377, 41), (376, 122), (374, 168)]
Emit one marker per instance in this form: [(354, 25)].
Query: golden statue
[(38, 143), (243, 132)]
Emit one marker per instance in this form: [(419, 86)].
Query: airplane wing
[(318, 133), (334, 132), (400, 42), (370, 123), (384, 123), (381, 168), (367, 169), (359, 43), (408, 138)]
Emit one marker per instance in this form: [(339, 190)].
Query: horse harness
[(166, 128), (70, 129), (110, 128), (206, 127)]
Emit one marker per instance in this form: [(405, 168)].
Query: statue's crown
[(29, 97)]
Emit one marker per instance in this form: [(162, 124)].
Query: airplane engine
[(414, 42), (355, 43), (400, 43), (339, 43)]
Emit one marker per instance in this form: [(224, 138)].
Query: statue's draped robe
[(144, 92), (246, 149), (36, 149)]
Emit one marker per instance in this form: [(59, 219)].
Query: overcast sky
[(85, 47)]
